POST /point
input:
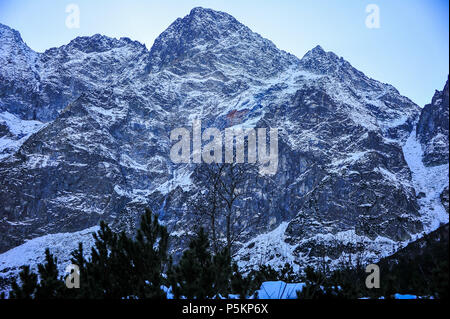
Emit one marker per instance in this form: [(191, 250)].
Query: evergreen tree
[(119, 267), (315, 281), (243, 286), (50, 286), (150, 256), (223, 270), (194, 275), (27, 289), (200, 273), (287, 274), (264, 273)]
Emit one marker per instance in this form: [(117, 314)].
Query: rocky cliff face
[(432, 129), (99, 112), (432, 132)]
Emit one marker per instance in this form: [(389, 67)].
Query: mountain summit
[(207, 38), (84, 131)]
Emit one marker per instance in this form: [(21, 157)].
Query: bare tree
[(207, 204), (224, 191)]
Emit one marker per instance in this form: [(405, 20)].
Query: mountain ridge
[(103, 150)]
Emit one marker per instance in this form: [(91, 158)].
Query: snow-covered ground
[(283, 290), (32, 252), (279, 290)]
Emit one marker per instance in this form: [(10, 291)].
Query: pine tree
[(27, 289), (149, 257), (315, 282), (243, 286), (50, 286), (223, 270), (287, 274), (119, 267), (195, 274)]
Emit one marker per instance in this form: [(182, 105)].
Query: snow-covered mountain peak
[(206, 40), (98, 43), (440, 97), (209, 16), (15, 56), (9, 35), (322, 62), (100, 111)]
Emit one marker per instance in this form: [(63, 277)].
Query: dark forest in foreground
[(121, 267)]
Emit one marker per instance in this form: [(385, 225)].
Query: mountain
[(85, 136), (433, 132), (432, 129), (36, 86)]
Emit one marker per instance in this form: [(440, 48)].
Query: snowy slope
[(32, 253)]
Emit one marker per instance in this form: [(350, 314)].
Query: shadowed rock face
[(445, 198), (432, 129), (108, 106)]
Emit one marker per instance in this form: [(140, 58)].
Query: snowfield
[(429, 182)]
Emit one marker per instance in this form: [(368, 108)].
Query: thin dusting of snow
[(373, 249), (17, 126), (181, 178), (349, 159), (40, 161), (32, 252)]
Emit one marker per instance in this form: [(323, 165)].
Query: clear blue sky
[(410, 50)]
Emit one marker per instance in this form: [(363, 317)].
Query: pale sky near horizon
[(410, 50)]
